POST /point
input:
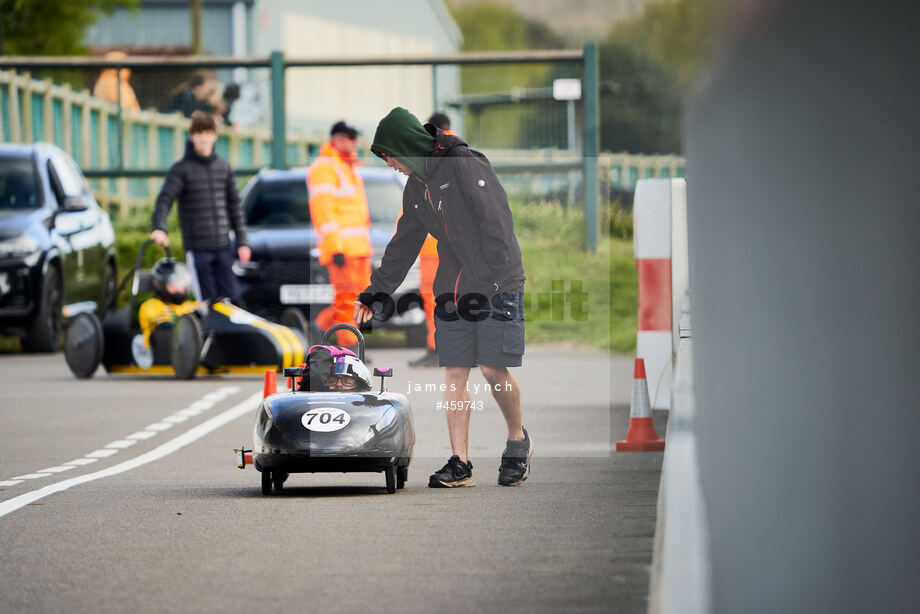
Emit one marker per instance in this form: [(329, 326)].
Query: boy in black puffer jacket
[(209, 206)]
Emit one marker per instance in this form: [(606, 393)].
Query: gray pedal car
[(308, 429)]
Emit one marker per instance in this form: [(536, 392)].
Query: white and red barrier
[(660, 247)]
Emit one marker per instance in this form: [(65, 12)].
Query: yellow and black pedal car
[(167, 334)]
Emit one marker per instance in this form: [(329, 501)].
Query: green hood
[(400, 134)]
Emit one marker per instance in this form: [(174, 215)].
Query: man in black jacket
[(209, 206), (454, 195)]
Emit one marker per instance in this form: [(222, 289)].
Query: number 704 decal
[(325, 419)]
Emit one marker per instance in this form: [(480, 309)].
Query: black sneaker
[(515, 465), (455, 473), (428, 359)]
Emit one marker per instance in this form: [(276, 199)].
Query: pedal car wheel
[(83, 344), (266, 482), (185, 353), (278, 479), (292, 317), (391, 478), (402, 474)]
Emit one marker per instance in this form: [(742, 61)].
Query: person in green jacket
[(454, 195)]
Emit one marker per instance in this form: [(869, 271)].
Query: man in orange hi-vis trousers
[(340, 218), (428, 267)]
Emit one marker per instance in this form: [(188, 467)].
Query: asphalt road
[(162, 520)]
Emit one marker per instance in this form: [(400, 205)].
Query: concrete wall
[(804, 213)]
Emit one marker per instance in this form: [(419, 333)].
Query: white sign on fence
[(567, 89)]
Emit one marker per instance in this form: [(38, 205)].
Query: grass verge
[(574, 297)]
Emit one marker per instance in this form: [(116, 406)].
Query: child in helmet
[(170, 280), (332, 368)]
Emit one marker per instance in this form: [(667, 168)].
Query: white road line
[(79, 462), (103, 453), (58, 469), (10, 482), (207, 402), (121, 444), (31, 476), (248, 406)]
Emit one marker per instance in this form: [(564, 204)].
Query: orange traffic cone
[(641, 436), (271, 384)]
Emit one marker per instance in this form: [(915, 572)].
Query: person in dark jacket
[(209, 207), (454, 195)]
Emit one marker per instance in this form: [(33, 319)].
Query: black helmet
[(170, 280)]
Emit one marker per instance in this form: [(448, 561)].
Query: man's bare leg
[(508, 396), (458, 410)]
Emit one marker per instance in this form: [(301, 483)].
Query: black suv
[(57, 246), (285, 271)]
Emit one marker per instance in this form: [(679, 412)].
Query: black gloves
[(339, 259)]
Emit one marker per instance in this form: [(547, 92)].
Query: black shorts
[(493, 337)]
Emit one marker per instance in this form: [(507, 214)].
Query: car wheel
[(185, 353), (278, 479), (402, 474), (266, 482), (83, 344), (45, 334), (391, 478), (292, 317), (417, 336)]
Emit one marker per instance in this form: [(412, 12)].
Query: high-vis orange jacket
[(338, 207)]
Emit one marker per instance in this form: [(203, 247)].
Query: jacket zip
[(435, 211), (428, 197), (214, 232), (444, 218)]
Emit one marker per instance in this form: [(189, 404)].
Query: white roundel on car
[(325, 419)]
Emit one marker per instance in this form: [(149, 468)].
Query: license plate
[(301, 294)]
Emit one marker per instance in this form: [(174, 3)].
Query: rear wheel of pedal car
[(402, 474), (292, 317), (45, 333), (185, 353), (83, 344), (266, 482), (391, 478), (278, 479)]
